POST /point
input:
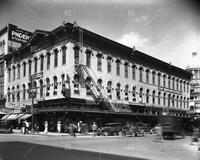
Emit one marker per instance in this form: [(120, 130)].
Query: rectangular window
[(141, 76), (24, 69), (29, 68), (147, 76), (109, 65), (48, 60), (64, 55), (153, 78), (35, 65), (99, 63), (88, 59), (181, 89), (118, 68), (18, 71), (9, 74), (13, 73), (41, 63), (76, 56), (133, 72), (55, 59), (126, 70), (164, 81), (177, 84), (159, 79), (169, 82), (173, 85)]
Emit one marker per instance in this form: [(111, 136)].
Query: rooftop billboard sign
[(18, 35)]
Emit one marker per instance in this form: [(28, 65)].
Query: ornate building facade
[(78, 74)]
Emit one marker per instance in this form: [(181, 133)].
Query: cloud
[(143, 18), (133, 39), (130, 2)]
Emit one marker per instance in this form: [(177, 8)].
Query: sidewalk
[(18, 131)]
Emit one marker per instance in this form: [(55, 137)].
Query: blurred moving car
[(110, 129), (172, 127), (6, 127)]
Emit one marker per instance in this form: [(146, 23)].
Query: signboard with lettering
[(18, 35)]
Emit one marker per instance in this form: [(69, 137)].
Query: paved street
[(49, 146)]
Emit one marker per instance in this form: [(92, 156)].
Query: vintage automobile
[(110, 129), (6, 127), (134, 129)]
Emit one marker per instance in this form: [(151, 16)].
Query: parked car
[(110, 129), (6, 127), (134, 129)]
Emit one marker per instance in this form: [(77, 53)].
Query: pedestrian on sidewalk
[(159, 134), (79, 126), (94, 129), (26, 126), (195, 136), (46, 127), (59, 127)]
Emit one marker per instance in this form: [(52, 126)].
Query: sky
[(165, 29)]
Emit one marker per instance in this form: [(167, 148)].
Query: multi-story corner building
[(11, 38), (79, 75), (194, 68)]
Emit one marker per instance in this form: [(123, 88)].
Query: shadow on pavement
[(30, 151)]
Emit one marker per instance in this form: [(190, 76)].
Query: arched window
[(169, 82), (177, 101), (35, 89), (29, 89), (8, 94), (147, 96), (18, 94), (126, 92), (41, 88), (63, 79), (134, 93), (118, 91), (173, 101), (47, 87), (164, 99), (88, 84), (109, 89), (184, 102), (55, 83), (24, 91), (13, 94), (99, 82), (181, 99), (76, 84), (159, 97), (169, 99), (141, 95), (153, 97)]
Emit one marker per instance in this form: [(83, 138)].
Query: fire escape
[(98, 93)]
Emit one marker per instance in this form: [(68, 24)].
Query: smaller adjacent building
[(194, 68), (11, 38)]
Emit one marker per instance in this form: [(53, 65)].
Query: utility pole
[(32, 79)]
